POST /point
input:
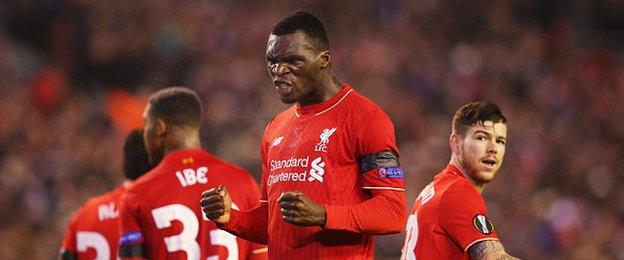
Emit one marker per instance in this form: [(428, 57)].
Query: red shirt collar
[(315, 109)]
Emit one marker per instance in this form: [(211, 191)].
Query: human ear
[(325, 58), (161, 127), (454, 143)]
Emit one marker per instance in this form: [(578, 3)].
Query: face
[(152, 133), (481, 150), (294, 67)]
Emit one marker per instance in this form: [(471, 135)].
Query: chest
[(313, 153)]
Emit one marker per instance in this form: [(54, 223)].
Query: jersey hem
[(383, 188)]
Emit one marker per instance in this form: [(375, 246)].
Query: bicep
[(488, 249)]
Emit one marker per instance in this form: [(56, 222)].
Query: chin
[(287, 100), (486, 176)]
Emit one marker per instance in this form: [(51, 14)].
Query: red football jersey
[(161, 209), (447, 218), (316, 150), (93, 232)]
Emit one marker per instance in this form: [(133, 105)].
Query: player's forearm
[(489, 250), (251, 225), (385, 213)]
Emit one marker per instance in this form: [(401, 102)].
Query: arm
[(488, 250), (65, 254), (389, 206), (298, 209), (131, 241), (68, 247), (250, 225)]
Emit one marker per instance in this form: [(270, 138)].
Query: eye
[(503, 142), (480, 137)]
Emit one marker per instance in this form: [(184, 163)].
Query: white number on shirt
[(411, 237), (185, 241), (85, 240)]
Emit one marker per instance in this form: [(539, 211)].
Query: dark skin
[(301, 73)]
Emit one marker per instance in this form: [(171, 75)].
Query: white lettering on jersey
[(289, 163), (322, 145), (107, 211), (316, 172), (426, 194), (190, 176)]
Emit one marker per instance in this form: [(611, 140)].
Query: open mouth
[(489, 162), (282, 87)]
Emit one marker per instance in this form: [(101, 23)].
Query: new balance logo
[(322, 145), (317, 171), (277, 141)]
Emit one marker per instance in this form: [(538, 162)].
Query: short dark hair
[(135, 159), (476, 112), (177, 106), (308, 24)]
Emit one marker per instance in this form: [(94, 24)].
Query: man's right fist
[(217, 204)]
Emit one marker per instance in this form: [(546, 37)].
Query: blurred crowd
[(75, 74)]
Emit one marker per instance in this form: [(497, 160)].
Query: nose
[(491, 147), (279, 69)]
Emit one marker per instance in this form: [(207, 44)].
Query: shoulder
[(357, 101), (461, 193), (233, 171), (100, 199)]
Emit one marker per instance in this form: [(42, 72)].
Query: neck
[(182, 138), (457, 163), (326, 89)]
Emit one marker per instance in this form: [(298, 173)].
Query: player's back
[(93, 232), (165, 205), (432, 228)]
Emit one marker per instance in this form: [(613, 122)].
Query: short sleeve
[(69, 241), (375, 143), (131, 233), (464, 217)]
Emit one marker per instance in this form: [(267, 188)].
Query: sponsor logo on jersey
[(482, 224), (317, 171), (391, 172), (107, 211), (131, 237), (322, 145), (309, 171), (277, 141)]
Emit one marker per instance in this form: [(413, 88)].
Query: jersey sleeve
[(69, 241), (377, 153), (132, 236), (464, 217)]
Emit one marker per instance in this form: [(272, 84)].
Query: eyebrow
[(489, 135), (285, 57)]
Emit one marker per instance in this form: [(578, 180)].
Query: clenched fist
[(298, 209), (217, 204)]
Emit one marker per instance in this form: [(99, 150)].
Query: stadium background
[(74, 76)]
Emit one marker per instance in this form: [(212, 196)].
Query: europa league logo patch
[(483, 224)]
